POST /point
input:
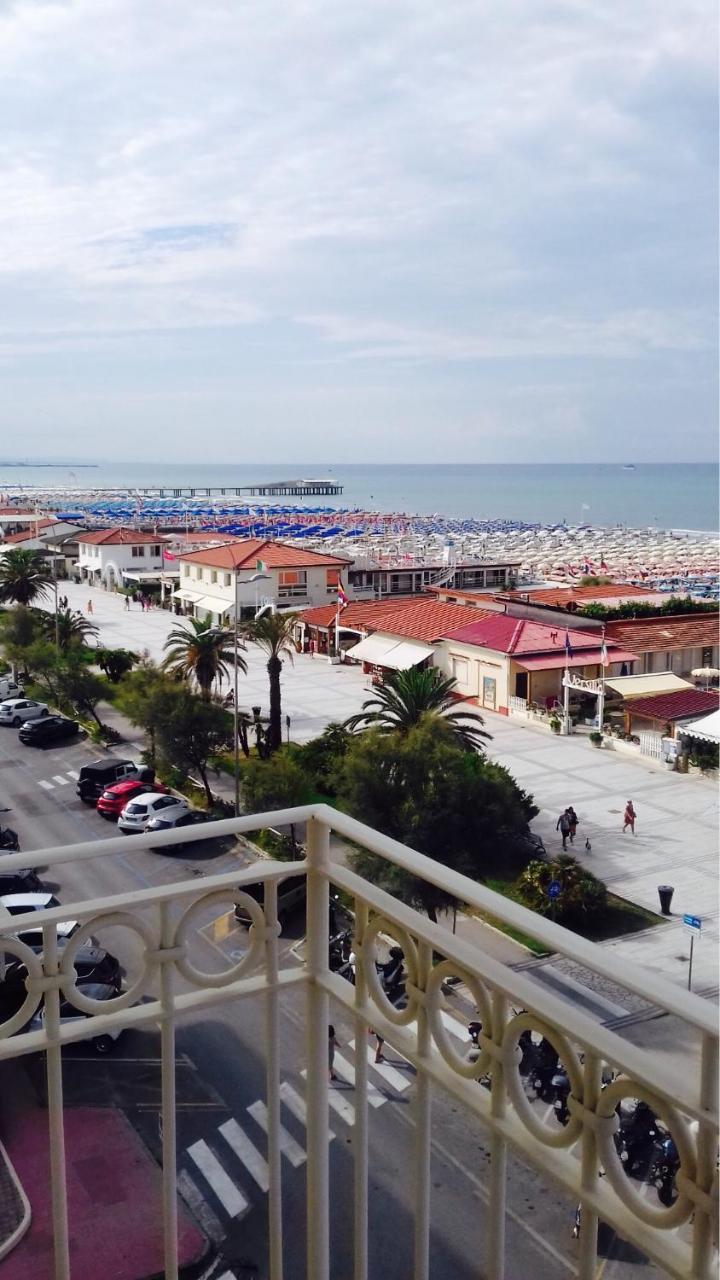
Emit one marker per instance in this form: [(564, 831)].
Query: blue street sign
[(554, 889), (692, 923)]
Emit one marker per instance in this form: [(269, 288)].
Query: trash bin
[(665, 892)]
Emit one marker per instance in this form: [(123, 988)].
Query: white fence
[(650, 744), (680, 1239), (517, 706)]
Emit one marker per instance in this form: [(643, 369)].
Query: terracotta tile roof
[(358, 613), (119, 537), (424, 620), (245, 553), (563, 596), (25, 535), (504, 634), (680, 705), (655, 635), (16, 511)]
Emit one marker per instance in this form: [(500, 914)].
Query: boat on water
[(629, 466)]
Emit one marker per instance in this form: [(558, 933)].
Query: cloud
[(321, 188)]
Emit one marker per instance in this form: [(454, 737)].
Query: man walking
[(563, 826), (629, 817)]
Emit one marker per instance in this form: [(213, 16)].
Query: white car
[(138, 812), (10, 689), (18, 710), (20, 904)]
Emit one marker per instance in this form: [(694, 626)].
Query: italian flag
[(342, 598)]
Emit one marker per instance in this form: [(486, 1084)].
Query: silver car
[(140, 811), (17, 710)]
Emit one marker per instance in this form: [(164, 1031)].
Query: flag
[(568, 646), (602, 563), (604, 659), (343, 601), (167, 555)]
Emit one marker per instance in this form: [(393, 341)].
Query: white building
[(112, 556), (266, 572)]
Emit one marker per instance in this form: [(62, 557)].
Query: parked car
[(24, 881), (91, 964), (178, 821), (9, 688), (33, 935), (19, 904), (136, 815), (39, 733), (113, 800), (291, 896), (97, 777), (16, 711), (68, 1014)]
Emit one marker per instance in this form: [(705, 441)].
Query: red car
[(113, 800)]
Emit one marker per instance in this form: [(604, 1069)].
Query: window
[(707, 657), (138, 552), (228, 579), (155, 551), (292, 577), (489, 686), (186, 571), (459, 668), (213, 575), (198, 573), (333, 577)]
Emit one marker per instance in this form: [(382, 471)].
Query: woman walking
[(332, 1046), (573, 820), (629, 817)]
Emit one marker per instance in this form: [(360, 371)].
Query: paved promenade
[(677, 827)]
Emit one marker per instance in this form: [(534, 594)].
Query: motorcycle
[(544, 1065), (635, 1140), (340, 955), (9, 840), (392, 974), (561, 1088), (474, 1030), (663, 1171)]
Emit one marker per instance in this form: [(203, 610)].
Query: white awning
[(409, 653), (190, 597), (707, 728), (215, 604), (643, 686), (388, 651), (372, 649)]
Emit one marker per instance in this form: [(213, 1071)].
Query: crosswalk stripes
[(346, 1071), (73, 773), (194, 1198), (296, 1105), (58, 780), (388, 1073), (62, 782), (339, 1103), (289, 1147), (47, 786), (247, 1153), (231, 1197)]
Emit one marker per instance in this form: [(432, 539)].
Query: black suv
[(38, 733), (101, 774)]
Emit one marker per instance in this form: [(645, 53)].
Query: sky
[(304, 230)]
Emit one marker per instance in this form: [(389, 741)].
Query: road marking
[(192, 1196), (231, 1197), (62, 782), (289, 1147), (347, 1071), (393, 1077), (296, 1105), (453, 1026), (246, 1152), (227, 1275), (73, 773), (48, 786), (345, 1109)]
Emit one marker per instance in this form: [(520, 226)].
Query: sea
[(639, 495)]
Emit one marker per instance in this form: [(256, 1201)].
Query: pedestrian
[(332, 1046), (563, 826), (573, 820), (379, 1042), (629, 817), (89, 607), (127, 602)]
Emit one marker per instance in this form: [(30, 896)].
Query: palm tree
[(203, 651), (25, 576), (406, 696), (70, 628), (273, 633)]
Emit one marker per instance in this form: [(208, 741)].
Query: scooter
[(635, 1140), (664, 1170), (544, 1067), (561, 1088)]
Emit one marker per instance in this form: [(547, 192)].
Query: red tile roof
[(424, 620), (516, 636), (358, 613), (563, 596), (17, 511), (680, 705), (655, 635), (25, 535), (119, 537), (245, 553)]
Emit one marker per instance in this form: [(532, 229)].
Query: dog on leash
[(588, 846)]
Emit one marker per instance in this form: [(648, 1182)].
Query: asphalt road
[(221, 1085)]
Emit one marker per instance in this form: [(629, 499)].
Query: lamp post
[(55, 589), (236, 744)]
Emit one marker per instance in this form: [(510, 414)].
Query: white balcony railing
[(680, 1239)]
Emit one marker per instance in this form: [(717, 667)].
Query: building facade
[(106, 555), (256, 573)]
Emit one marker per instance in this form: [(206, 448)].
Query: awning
[(643, 686), (707, 728), (371, 649), (581, 658), (409, 653), (388, 651), (190, 597), (214, 604)]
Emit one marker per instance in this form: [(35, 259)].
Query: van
[(9, 688), (291, 895)]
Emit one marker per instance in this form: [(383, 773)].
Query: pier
[(271, 489)]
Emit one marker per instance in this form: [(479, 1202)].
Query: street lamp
[(255, 577)]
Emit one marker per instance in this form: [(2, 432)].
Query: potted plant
[(596, 738), (554, 724)]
